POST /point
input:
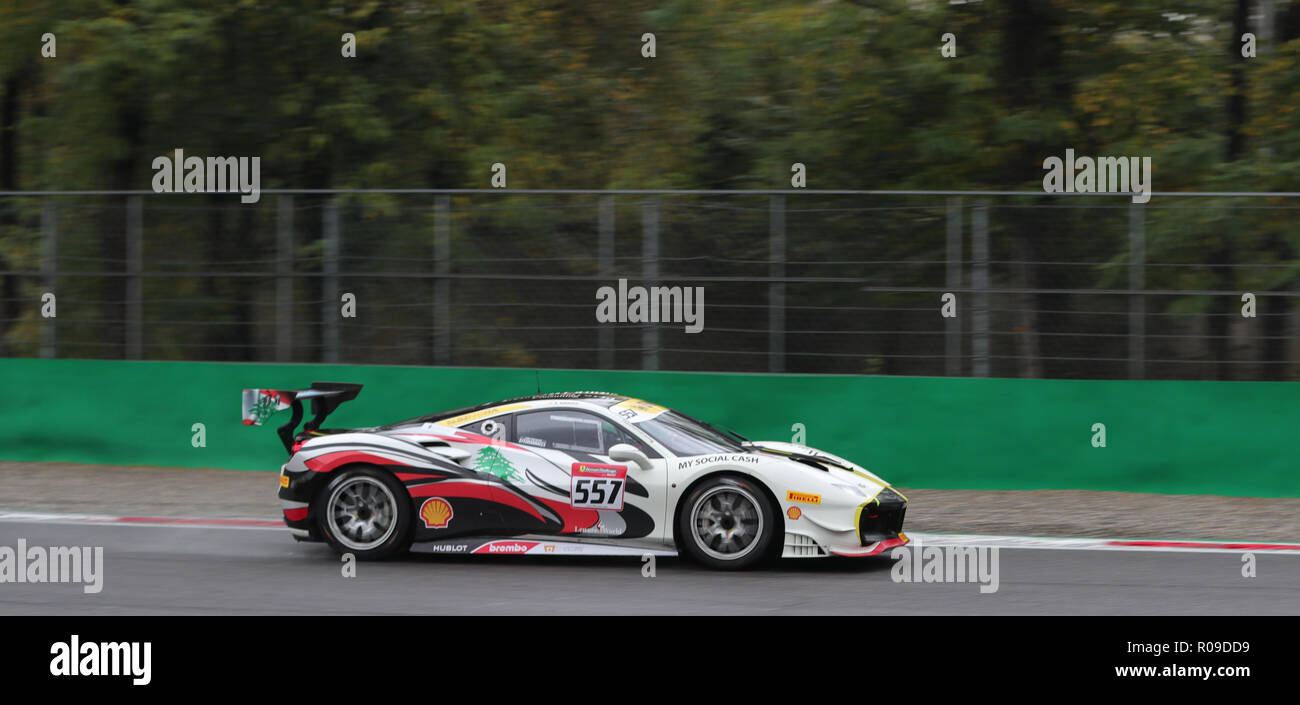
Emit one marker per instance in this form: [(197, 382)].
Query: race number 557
[(593, 486)]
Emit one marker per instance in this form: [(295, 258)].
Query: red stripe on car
[(881, 547), (574, 519), (404, 476), (329, 461)]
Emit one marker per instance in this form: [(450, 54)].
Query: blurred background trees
[(559, 91)]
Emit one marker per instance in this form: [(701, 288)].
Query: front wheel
[(727, 523), (365, 512)]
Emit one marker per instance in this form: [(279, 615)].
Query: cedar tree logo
[(436, 513)]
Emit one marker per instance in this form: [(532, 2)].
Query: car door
[(600, 498)]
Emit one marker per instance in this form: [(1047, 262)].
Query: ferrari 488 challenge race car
[(587, 473)]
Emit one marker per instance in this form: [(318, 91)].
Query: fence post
[(650, 275), (330, 312), (980, 282), (1267, 22), (134, 284), (284, 279), (441, 282), (952, 326), (49, 273), (775, 288), (605, 267), (1137, 304)]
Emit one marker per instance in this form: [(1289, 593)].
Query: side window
[(561, 429), (615, 435), (566, 429)]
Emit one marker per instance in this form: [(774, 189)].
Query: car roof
[(602, 399)]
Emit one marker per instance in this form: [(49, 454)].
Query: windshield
[(685, 436)]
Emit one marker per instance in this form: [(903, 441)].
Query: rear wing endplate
[(261, 404)]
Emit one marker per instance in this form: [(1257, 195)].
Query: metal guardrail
[(795, 280)]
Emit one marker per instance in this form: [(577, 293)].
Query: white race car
[(587, 473)]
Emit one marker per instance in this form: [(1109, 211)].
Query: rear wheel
[(727, 523), (365, 512)]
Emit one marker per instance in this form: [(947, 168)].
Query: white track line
[(918, 539), (1105, 544), (167, 522)]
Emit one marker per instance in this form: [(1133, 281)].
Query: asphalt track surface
[(262, 571)]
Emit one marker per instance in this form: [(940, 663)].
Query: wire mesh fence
[(1033, 285)]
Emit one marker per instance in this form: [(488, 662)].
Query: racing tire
[(728, 523), (365, 512)]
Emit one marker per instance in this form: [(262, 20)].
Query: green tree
[(491, 461)]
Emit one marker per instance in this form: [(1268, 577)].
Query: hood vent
[(812, 461)]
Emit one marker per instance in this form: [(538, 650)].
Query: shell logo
[(436, 513), (794, 513)]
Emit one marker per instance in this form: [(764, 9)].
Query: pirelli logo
[(803, 497)]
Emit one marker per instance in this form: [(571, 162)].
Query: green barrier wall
[(1224, 438)]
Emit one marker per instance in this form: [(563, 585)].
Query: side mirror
[(625, 453)]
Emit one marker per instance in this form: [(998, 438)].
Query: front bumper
[(881, 519), (879, 524), (877, 527)]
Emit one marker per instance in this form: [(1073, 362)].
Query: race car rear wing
[(261, 404)]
